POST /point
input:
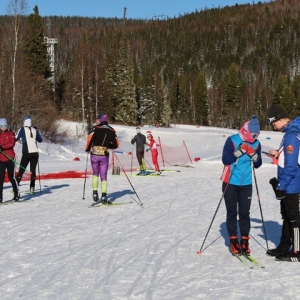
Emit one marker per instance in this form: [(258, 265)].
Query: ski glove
[(1, 149), (241, 150), (279, 194), (252, 153)]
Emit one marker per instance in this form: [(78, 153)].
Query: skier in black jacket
[(101, 139), (140, 141)]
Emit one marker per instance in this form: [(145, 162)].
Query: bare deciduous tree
[(16, 8)]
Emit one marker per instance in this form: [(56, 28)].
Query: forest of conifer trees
[(212, 67)]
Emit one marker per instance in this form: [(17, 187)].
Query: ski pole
[(200, 251), (39, 175), (83, 195), (258, 197), (139, 203), (131, 158), (14, 161)]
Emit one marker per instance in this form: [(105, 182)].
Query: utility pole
[(124, 14), (51, 52)]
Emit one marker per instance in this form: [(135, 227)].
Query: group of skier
[(140, 140), (103, 138), (241, 156), (28, 136)]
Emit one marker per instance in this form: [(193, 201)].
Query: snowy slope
[(55, 247)]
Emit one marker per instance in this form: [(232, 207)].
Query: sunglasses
[(254, 135)]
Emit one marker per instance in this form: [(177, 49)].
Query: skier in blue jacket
[(240, 152), (287, 184)]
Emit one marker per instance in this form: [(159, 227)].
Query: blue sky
[(115, 8)]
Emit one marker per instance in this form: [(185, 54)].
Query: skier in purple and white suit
[(101, 139)]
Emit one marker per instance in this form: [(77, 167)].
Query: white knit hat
[(27, 121), (3, 122)]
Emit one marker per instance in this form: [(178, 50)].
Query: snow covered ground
[(55, 247)]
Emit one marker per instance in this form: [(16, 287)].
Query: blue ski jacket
[(239, 171), (288, 170)]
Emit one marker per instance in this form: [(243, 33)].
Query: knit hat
[(3, 122), (102, 118), (276, 113), (27, 121), (138, 130), (250, 130)]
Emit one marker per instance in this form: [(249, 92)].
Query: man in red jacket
[(7, 154)]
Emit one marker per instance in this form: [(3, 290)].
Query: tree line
[(212, 67)]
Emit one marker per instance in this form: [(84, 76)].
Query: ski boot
[(16, 197), (244, 244), (234, 245), (277, 251), (104, 199), (95, 196), (31, 190)]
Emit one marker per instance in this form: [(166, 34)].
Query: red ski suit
[(154, 153)]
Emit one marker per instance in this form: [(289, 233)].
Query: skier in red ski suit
[(153, 147)]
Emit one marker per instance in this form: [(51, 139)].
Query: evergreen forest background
[(212, 67)]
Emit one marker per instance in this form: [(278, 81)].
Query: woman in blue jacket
[(240, 152)]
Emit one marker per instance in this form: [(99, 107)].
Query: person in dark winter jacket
[(28, 136), (102, 138), (140, 141), (240, 152), (7, 155), (287, 184)]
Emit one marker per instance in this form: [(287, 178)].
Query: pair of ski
[(249, 261), (100, 204)]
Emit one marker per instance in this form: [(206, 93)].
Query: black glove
[(278, 193), (1, 149), (87, 151), (147, 149), (274, 182)]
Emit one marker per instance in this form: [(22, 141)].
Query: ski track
[(55, 247)]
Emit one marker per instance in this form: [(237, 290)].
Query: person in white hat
[(29, 136)]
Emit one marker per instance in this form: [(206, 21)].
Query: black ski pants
[(27, 158), (10, 167), (238, 203), (289, 208)]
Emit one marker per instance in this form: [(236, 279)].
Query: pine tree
[(201, 100), (232, 93), (35, 48), (123, 86)]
